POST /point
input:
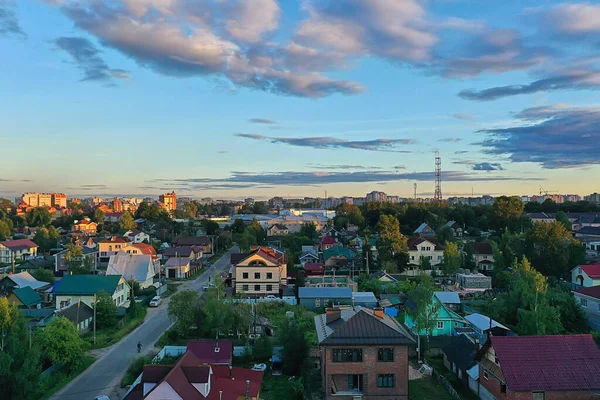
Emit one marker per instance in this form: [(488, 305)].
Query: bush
[(263, 349), (135, 369)]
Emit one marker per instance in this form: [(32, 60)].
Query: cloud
[(486, 166), (570, 19), (400, 166), (558, 136), (9, 23), (465, 116), (340, 166), (94, 186), (461, 152), (450, 140), (88, 60), (570, 80), (251, 19), (222, 152), (262, 121), (325, 142)]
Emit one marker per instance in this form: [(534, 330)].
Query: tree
[(5, 229), (391, 244), (390, 267), (99, 216), (255, 229), (238, 226), (62, 344), (263, 349), (572, 316), (422, 313), (106, 310), (295, 347), (191, 209), (44, 275), (452, 259), (127, 221), (38, 216), (561, 217), (445, 235), (366, 284), (508, 212), (424, 263), (77, 263), (211, 227), (183, 311), (468, 259), (308, 229), (47, 237)]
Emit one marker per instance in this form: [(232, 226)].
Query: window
[(456, 324), (503, 388), (257, 288), (245, 275), (385, 355), (103, 253), (385, 381), (317, 302), (440, 324), (269, 275), (430, 258), (347, 355), (496, 360), (269, 288), (439, 258), (583, 302), (412, 257), (485, 374), (257, 275), (245, 288), (539, 395), (355, 382)]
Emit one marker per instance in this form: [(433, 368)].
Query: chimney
[(247, 389), (230, 368), (332, 314), (378, 312), (220, 395), (217, 349)]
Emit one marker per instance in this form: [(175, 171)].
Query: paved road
[(106, 373)]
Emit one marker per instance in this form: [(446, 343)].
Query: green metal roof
[(87, 284), (28, 296), (336, 251)]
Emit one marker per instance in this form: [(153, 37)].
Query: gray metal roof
[(448, 297), (324, 292), (359, 326)]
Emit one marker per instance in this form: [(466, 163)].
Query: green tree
[(561, 217), (309, 230), (422, 313), (106, 310), (238, 226), (508, 212), (572, 316), (127, 221), (445, 235), (47, 237), (76, 262), (452, 259), (44, 275), (391, 244), (191, 209), (211, 227), (390, 267), (183, 311), (424, 263), (62, 344), (499, 264), (99, 216), (263, 349), (366, 284), (468, 259), (259, 233), (5, 229), (295, 347), (38, 216)]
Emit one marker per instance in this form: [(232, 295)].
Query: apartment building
[(169, 201), (36, 199)]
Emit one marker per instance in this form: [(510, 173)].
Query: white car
[(271, 297), (208, 286), (156, 301)]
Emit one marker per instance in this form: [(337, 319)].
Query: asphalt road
[(106, 373)]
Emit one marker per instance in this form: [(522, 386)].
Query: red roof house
[(327, 242), (211, 352), (586, 275), (17, 249), (550, 367), (312, 269)]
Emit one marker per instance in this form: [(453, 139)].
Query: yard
[(427, 388), (438, 364), (276, 388)]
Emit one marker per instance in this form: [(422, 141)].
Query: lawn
[(275, 387), (58, 380), (108, 336), (438, 364), (427, 388), (172, 288)]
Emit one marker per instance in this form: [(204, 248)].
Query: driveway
[(104, 376)]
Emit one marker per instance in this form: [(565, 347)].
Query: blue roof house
[(446, 320), (313, 298)]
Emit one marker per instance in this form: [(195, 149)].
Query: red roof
[(551, 363), (205, 351), (414, 241), (113, 239), (20, 244), (327, 240), (482, 248), (593, 291), (592, 270), (314, 268), (146, 249)]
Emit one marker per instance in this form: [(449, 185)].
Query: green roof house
[(338, 256), (72, 288), (25, 297)]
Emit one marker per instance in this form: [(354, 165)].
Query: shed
[(474, 282), (365, 299)]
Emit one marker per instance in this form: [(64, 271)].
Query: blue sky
[(258, 98)]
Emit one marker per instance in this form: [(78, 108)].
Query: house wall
[(312, 303), (577, 272), (180, 272), (105, 250), (162, 392), (6, 254), (120, 297), (480, 257), (435, 256), (591, 309), (369, 368), (262, 281)]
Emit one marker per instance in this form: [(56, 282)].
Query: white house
[(17, 249), (140, 267), (137, 236), (73, 288), (586, 275), (430, 248)]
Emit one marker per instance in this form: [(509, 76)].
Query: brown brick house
[(539, 368), (363, 353)]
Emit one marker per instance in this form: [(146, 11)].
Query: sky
[(261, 98)]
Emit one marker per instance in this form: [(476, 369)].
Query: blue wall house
[(445, 320)]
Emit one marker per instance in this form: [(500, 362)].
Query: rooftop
[(325, 292), (482, 322), (448, 297), (27, 296), (87, 284), (19, 244)]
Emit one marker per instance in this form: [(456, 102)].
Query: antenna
[(438, 177), (415, 187)]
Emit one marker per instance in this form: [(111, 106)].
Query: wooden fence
[(441, 379)]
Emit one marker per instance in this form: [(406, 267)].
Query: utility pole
[(94, 319), (12, 261), (438, 177), (415, 187)]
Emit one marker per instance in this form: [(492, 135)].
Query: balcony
[(347, 385)]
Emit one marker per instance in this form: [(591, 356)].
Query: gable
[(257, 257)]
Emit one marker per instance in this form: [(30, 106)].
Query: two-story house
[(589, 299), (547, 367), (327, 242), (430, 248), (136, 267), (364, 354), (109, 247), (73, 288), (202, 242), (17, 250), (483, 254), (136, 236), (445, 320), (586, 275), (277, 230), (85, 226), (259, 272)]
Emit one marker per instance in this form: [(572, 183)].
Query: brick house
[(539, 367), (364, 353)]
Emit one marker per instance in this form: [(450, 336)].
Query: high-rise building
[(593, 198), (117, 205), (376, 196), (169, 201), (36, 199)]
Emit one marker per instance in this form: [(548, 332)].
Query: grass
[(427, 388), (275, 387), (438, 364), (58, 380), (172, 288), (108, 336)]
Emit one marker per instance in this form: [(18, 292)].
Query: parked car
[(156, 301), (208, 286), (271, 297)]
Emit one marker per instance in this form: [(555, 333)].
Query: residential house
[(139, 267), (539, 367), (277, 230), (174, 252), (429, 248), (109, 247), (86, 226), (589, 298), (331, 231), (338, 256), (73, 288), (483, 325), (80, 314), (449, 299), (424, 230), (21, 280), (309, 255), (19, 249), (25, 297), (356, 243), (190, 378), (592, 246), (136, 236), (457, 230), (459, 357), (326, 242), (364, 354), (483, 254), (112, 216), (314, 269), (586, 275), (89, 254), (212, 352), (260, 272), (34, 264), (313, 298), (201, 241), (364, 299), (178, 267), (446, 320), (588, 232), (144, 248)]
